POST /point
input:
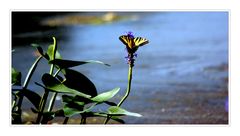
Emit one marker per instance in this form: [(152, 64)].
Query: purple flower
[(135, 55), (131, 58), (132, 44), (130, 34)]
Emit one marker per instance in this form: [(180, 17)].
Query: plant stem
[(27, 79), (30, 72), (25, 84), (45, 95), (107, 119), (53, 98), (66, 120), (42, 106), (127, 91), (53, 55), (43, 101), (83, 119), (52, 101), (129, 86), (14, 102)]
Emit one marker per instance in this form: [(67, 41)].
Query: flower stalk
[(130, 69), (132, 44), (129, 85)]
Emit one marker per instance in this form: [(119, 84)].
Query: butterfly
[(132, 43)]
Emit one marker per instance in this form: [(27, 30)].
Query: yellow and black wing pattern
[(128, 41), (139, 41), (133, 42)]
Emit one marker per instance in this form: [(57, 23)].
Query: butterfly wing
[(127, 41), (139, 41)]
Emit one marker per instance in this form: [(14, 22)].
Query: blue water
[(182, 46)]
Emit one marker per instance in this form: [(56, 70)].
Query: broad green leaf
[(70, 63), (71, 99), (77, 81), (16, 77), (106, 95), (33, 97), (75, 101), (117, 111), (49, 52), (52, 49), (68, 111), (67, 98), (54, 85)]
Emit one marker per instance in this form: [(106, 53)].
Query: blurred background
[(180, 77)]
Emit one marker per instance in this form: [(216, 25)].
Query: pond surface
[(181, 76)]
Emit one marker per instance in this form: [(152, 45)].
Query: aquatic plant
[(132, 44), (79, 94)]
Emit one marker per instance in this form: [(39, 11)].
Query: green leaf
[(117, 111), (52, 51), (52, 84), (67, 98), (40, 50), (68, 111), (106, 95), (16, 77), (70, 63), (77, 81), (77, 102), (49, 53), (33, 97), (71, 99)]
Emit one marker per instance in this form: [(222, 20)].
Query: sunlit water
[(184, 49)]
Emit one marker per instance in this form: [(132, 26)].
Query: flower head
[(130, 59), (132, 44)]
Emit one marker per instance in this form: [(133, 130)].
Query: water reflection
[(188, 53)]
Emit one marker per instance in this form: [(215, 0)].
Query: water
[(186, 53)]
